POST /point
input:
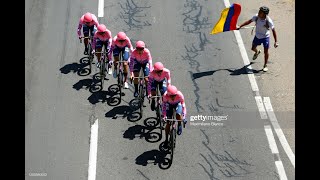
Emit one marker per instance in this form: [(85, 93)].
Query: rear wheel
[(90, 56), (120, 76), (141, 95), (102, 73)]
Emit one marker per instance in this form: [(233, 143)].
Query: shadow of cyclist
[(150, 133), (75, 68), (156, 157)]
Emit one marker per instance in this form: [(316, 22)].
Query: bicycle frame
[(103, 60)]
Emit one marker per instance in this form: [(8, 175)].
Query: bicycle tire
[(90, 56), (120, 76), (141, 93), (172, 144)]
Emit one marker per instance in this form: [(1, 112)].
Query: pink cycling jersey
[(143, 58), (105, 37), (127, 42), (81, 22), (178, 99), (153, 76)]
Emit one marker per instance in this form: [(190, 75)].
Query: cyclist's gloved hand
[(149, 96), (164, 118), (93, 51)]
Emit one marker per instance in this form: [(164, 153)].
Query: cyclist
[(159, 75), (140, 58), (102, 37), (121, 42), (173, 98), (263, 25), (89, 22)]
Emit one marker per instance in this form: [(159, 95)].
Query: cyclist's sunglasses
[(121, 40), (140, 49), (159, 71)]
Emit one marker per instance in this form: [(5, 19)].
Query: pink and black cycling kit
[(179, 99), (144, 57), (153, 76), (103, 37), (92, 23), (126, 43)]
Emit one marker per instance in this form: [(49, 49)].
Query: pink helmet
[(102, 28), (172, 90), (140, 44), (158, 66), (121, 36), (87, 17)]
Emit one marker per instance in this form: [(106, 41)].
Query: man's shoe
[(256, 55)]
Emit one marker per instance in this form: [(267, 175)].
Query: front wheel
[(141, 95), (172, 143)]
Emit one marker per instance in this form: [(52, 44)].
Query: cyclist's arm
[(151, 79), (131, 63), (164, 106), (184, 109), (94, 42), (94, 18), (79, 28), (168, 78), (130, 45), (149, 61)]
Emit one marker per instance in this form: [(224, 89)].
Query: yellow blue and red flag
[(228, 19)]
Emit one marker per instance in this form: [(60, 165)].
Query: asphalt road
[(209, 70)]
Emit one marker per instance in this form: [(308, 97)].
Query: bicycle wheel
[(141, 96), (158, 108), (102, 73), (89, 55), (172, 142)]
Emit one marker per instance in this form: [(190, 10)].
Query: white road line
[(271, 140), (274, 150), (100, 8), (262, 111), (271, 115), (278, 130), (281, 172), (93, 151)]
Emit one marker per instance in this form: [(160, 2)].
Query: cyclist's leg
[(168, 124), (125, 64), (179, 117), (162, 87), (136, 70), (85, 30), (153, 93), (146, 73), (99, 45), (116, 52)]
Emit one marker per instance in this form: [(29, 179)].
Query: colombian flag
[(228, 19)]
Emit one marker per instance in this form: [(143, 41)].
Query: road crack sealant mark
[(222, 164), (193, 23), (133, 15)]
